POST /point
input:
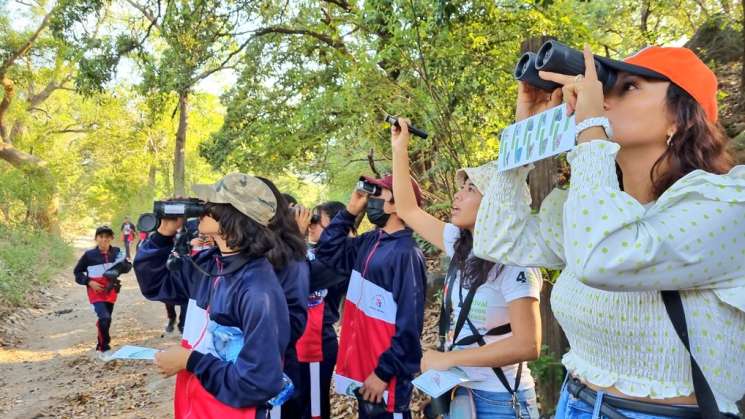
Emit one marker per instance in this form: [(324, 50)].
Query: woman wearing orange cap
[(654, 205)]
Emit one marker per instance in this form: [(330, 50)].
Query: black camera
[(558, 58), (368, 188), (181, 248), (371, 409), (412, 129), (112, 274), (187, 208)]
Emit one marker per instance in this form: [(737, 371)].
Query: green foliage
[(310, 97), (314, 79), (97, 66), (70, 16), (28, 259)]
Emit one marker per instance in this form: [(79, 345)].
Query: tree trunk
[(151, 178), (179, 154), (42, 210), (542, 181), (644, 21)]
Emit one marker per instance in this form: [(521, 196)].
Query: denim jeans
[(498, 405), (570, 407)]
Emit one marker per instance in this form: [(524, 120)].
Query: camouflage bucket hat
[(246, 193)]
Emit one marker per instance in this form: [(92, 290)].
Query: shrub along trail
[(48, 361)]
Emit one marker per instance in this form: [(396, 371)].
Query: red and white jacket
[(384, 308), (91, 267)]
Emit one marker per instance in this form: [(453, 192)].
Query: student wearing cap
[(102, 291), (653, 214), (379, 347), (490, 317), (229, 364)]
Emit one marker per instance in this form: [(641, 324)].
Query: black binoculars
[(112, 274), (187, 208), (368, 188), (558, 58), (181, 248)]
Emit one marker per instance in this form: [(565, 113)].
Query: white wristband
[(599, 121)]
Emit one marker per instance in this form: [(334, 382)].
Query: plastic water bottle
[(287, 390), (227, 340)]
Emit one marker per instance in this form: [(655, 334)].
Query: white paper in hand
[(135, 352), (547, 134), (436, 383)]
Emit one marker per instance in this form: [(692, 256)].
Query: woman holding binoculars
[(653, 221)]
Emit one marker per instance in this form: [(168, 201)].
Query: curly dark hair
[(697, 143), (240, 231), (290, 244)]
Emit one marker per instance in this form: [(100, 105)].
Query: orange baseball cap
[(680, 66)]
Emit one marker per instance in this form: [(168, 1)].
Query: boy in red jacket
[(102, 289)]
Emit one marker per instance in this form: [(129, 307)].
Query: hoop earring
[(669, 139)]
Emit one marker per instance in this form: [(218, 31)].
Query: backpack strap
[(463, 315), (705, 396), (497, 331), (498, 371)]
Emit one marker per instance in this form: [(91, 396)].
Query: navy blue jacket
[(294, 279), (250, 299), (394, 263), (335, 283)]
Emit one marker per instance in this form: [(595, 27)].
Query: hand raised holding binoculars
[(169, 226), (583, 94), (357, 203), (400, 135), (302, 217)]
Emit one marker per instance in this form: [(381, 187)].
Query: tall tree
[(18, 68), (202, 37)]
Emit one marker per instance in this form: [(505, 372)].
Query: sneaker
[(105, 356), (169, 326)]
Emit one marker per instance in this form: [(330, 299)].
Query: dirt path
[(49, 369), (48, 366)]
